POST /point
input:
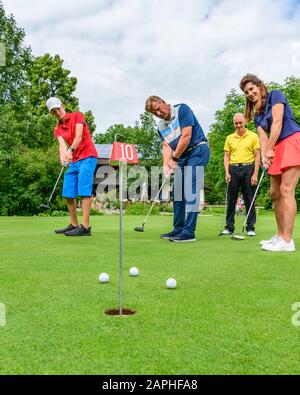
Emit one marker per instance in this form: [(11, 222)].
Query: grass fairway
[(231, 312)]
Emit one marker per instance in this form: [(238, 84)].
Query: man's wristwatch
[(174, 158), (71, 149)]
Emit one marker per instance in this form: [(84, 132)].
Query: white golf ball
[(171, 283), (134, 271), (103, 278)]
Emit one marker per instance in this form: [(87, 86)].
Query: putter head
[(237, 237), (139, 229), (45, 206)]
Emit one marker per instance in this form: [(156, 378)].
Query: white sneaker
[(251, 233), (226, 232), (273, 240), (280, 246)]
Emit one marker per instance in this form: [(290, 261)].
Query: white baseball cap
[(53, 102)]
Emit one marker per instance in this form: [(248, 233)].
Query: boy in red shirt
[(77, 149)]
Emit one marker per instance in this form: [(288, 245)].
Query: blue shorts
[(79, 178)]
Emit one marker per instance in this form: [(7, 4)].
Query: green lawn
[(231, 312)]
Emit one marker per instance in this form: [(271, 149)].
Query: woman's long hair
[(249, 108)]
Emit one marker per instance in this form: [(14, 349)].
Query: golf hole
[(116, 312)]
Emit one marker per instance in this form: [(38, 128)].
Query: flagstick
[(121, 237)]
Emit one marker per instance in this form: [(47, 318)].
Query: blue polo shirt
[(181, 117), (264, 120)]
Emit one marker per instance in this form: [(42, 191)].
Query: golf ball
[(171, 283), (134, 271), (103, 278)]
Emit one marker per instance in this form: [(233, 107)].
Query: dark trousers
[(240, 179)]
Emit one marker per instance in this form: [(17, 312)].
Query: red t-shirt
[(67, 131)]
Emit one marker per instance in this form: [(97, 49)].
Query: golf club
[(141, 229), (47, 205), (225, 209), (238, 237)]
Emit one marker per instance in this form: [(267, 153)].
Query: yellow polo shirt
[(241, 149)]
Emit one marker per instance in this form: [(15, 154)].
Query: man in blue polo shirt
[(185, 153)]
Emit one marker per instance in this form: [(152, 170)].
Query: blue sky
[(188, 51)]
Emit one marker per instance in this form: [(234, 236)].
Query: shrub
[(57, 213), (140, 208), (96, 212), (166, 208)]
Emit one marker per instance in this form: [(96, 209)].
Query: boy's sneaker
[(66, 229), (79, 231), (280, 246), (182, 238), (168, 235), (275, 239), (226, 232), (251, 233)]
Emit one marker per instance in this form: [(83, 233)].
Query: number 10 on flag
[(123, 153)]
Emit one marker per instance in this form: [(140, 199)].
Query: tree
[(29, 182), (12, 81), (28, 152), (149, 140), (90, 120), (10, 134), (143, 135), (47, 78), (18, 58), (291, 89), (219, 130)]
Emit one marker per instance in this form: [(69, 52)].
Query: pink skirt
[(287, 154)]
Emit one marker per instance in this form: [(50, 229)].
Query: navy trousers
[(188, 179)]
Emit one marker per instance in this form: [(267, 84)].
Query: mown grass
[(231, 312)]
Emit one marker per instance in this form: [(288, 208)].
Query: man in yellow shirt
[(241, 162)]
